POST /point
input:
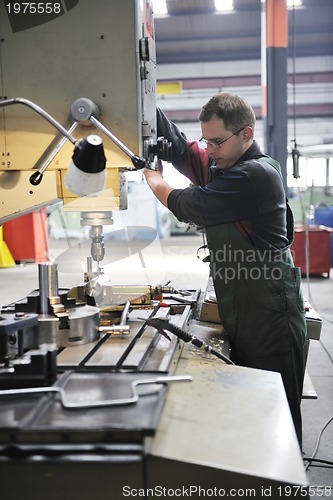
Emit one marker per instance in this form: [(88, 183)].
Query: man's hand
[(157, 184), (149, 173), (154, 176)]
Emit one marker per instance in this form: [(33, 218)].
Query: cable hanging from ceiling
[(295, 154)]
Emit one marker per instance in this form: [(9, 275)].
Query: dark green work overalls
[(261, 306)]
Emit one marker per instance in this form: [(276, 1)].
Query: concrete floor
[(175, 259)]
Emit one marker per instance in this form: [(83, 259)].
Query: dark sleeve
[(168, 130), (187, 157), (180, 203), (227, 199)]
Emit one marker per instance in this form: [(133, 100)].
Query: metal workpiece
[(105, 294), (95, 287), (50, 305), (48, 284), (57, 324)]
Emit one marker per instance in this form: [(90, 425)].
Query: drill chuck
[(97, 243)]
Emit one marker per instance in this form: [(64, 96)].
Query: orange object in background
[(319, 249), (27, 237)]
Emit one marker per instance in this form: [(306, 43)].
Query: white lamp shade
[(83, 183), (86, 173)]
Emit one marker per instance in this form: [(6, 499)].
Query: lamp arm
[(42, 112)]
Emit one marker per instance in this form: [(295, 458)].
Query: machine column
[(274, 45)]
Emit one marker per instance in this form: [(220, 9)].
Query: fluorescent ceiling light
[(160, 7), (224, 5)]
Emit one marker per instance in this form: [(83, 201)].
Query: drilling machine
[(92, 80), (84, 411)]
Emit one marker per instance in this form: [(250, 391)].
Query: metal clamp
[(122, 328)]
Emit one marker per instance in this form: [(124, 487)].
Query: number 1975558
[(34, 8)]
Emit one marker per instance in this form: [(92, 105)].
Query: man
[(239, 199)]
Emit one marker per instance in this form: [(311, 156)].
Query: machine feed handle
[(36, 177), (137, 161)]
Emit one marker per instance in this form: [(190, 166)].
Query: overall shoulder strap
[(289, 214)]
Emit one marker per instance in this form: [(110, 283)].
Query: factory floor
[(175, 259)]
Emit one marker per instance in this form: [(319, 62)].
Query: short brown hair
[(232, 109)]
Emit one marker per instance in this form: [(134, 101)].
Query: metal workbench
[(228, 428)]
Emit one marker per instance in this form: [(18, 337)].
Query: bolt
[(12, 339)]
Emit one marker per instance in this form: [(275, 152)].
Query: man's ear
[(247, 134)]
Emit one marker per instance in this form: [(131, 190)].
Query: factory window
[(316, 171), (224, 5), (312, 171), (160, 7), (294, 3)]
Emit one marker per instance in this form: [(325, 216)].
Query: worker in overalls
[(239, 199)]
